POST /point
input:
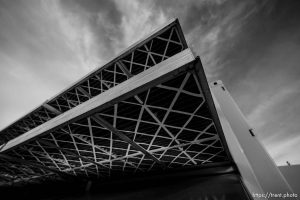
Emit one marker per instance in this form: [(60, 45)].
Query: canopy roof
[(148, 110), (154, 48)]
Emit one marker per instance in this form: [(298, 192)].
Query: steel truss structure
[(148, 110), (157, 47)]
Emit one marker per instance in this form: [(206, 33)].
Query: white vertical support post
[(259, 172)]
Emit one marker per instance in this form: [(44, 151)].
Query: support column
[(258, 170)]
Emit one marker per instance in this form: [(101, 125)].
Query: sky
[(252, 46)]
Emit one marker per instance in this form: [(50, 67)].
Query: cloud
[(101, 29), (47, 45), (284, 149), (257, 117), (212, 28), (92, 28), (246, 46), (138, 19), (35, 59), (269, 96)]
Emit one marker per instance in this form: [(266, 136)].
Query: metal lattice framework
[(15, 171), (156, 120), (157, 47)]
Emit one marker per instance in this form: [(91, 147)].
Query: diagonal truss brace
[(100, 119), (161, 71), (196, 141), (29, 163), (69, 152), (153, 115), (103, 150), (51, 109), (115, 131)]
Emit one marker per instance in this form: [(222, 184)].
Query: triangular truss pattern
[(158, 47), (170, 121), (18, 173), (156, 121)]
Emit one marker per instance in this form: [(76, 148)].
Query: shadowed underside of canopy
[(149, 110)]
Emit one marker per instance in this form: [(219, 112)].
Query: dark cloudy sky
[(252, 46)]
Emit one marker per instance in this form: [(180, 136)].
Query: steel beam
[(118, 133), (134, 85), (51, 109), (70, 152)]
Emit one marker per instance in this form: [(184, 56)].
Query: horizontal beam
[(153, 34), (151, 77)]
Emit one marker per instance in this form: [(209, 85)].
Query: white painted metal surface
[(258, 170)]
